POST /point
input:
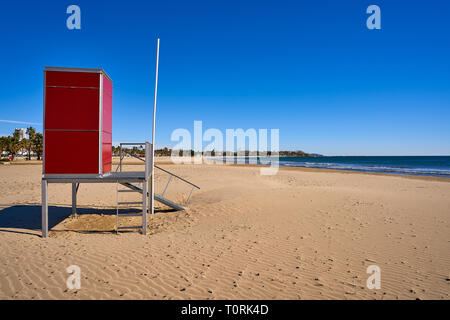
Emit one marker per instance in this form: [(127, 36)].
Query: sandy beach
[(300, 234)]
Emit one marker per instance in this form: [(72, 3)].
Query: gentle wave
[(371, 168), (411, 165)]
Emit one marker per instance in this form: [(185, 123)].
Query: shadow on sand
[(28, 217)]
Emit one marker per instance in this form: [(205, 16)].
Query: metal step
[(129, 190), (130, 227), (130, 202), (158, 198), (132, 186), (130, 214)]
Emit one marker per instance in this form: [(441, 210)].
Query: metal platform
[(124, 178), (112, 177)]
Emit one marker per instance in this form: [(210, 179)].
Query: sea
[(438, 166)]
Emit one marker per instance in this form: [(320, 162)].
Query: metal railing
[(119, 167), (184, 180)]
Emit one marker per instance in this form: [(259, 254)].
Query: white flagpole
[(152, 199)]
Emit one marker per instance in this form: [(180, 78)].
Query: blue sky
[(309, 68)]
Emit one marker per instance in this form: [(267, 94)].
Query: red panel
[(107, 125), (106, 137), (107, 85), (71, 108), (71, 152), (106, 151), (107, 167), (72, 79), (107, 105)]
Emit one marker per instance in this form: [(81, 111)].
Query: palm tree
[(115, 150), (23, 145), (3, 144), (13, 144), (31, 135), (38, 145)]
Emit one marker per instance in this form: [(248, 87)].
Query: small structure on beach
[(77, 122), (78, 142)]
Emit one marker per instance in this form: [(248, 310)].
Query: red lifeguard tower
[(78, 120), (77, 142)]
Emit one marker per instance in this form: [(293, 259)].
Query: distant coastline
[(437, 166)]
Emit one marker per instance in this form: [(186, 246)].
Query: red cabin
[(77, 121)]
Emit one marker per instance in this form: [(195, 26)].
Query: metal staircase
[(142, 190), (133, 187), (121, 205)]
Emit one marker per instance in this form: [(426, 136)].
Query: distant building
[(22, 133)]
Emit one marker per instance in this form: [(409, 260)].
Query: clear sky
[(309, 68)]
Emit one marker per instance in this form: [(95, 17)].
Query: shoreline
[(167, 161), (304, 169)]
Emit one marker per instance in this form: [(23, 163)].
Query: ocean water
[(411, 165)]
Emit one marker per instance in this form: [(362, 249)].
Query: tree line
[(13, 145), (166, 152)]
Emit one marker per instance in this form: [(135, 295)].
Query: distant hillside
[(298, 153)]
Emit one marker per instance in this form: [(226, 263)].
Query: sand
[(301, 234)]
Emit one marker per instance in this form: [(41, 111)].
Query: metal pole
[(167, 185), (152, 184), (44, 209), (120, 157), (117, 207), (144, 207), (189, 198), (74, 199)]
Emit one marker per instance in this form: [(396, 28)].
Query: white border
[(43, 122), (100, 128)]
